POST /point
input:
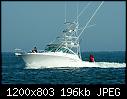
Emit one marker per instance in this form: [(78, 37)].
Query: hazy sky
[(29, 24)]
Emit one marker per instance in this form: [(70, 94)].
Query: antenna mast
[(65, 12), (77, 12)]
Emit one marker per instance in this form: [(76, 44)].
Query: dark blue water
[(14, 72)]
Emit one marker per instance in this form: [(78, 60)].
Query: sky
[(26, 24)]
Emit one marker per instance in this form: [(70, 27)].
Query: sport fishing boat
[(64, 51)]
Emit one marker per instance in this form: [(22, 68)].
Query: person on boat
[(34, 50), (91, 58)]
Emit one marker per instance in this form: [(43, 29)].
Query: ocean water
[(110, 69)]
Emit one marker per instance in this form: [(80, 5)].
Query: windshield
[(55, 48)]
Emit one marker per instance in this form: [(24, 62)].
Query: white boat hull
[(48, 60), (44, 60)]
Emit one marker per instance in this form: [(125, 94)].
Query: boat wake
[(83, 64), (110, 65)]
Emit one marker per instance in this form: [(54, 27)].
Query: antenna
[(77, 12), (65, 12)]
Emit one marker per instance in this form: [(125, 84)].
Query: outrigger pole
[(90, 19)]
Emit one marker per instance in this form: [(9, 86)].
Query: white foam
[(83, 64), (108, 65)]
